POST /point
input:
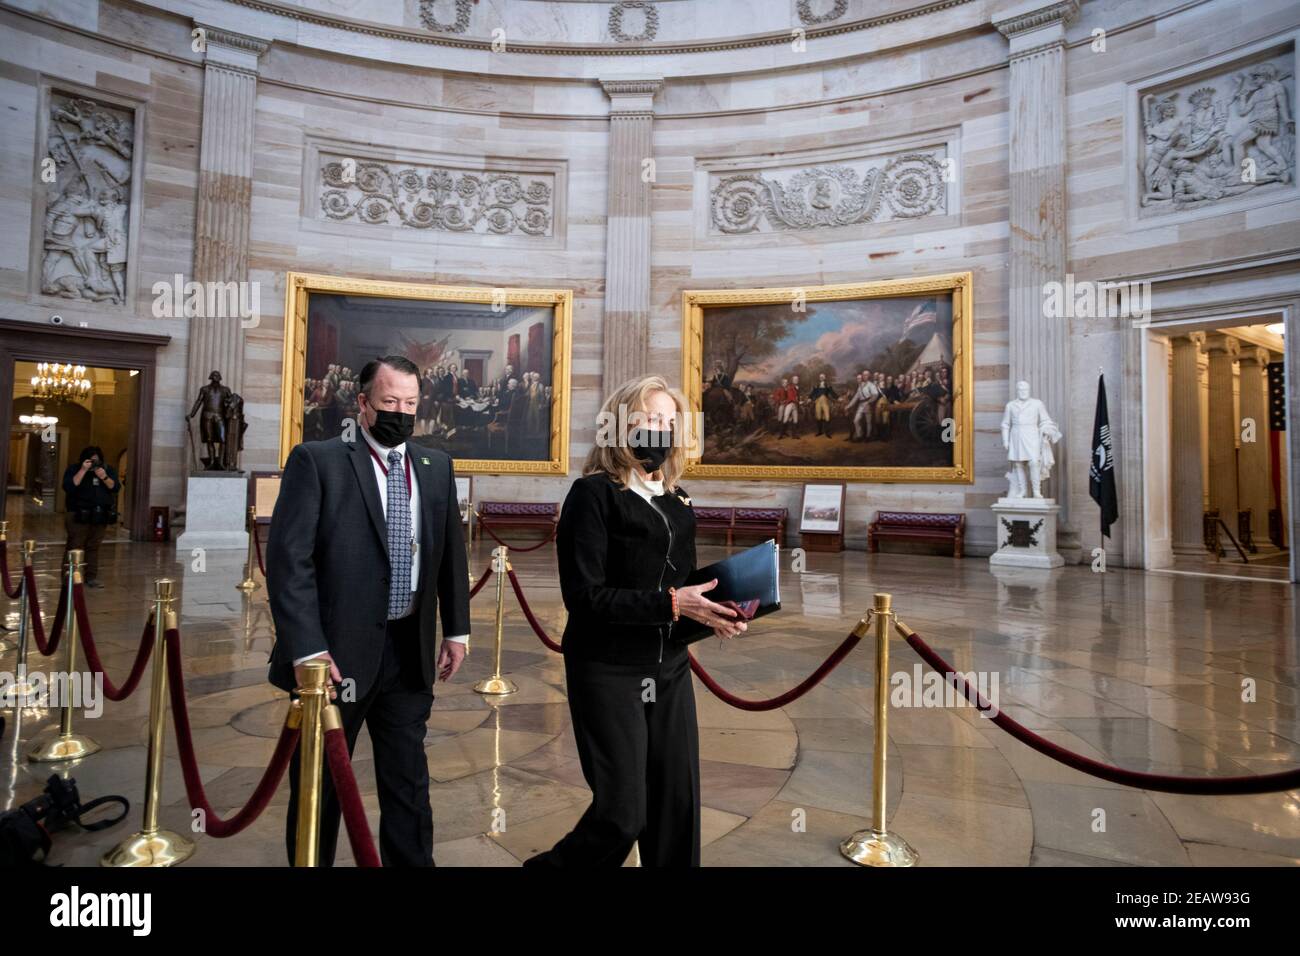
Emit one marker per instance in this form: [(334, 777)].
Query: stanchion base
[(248, 586), (160, 848), (496, 686), (878, 848), (57, 749)]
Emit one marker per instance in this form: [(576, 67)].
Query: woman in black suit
[(626, 544)]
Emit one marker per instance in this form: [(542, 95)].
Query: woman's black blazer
[(616, 566)]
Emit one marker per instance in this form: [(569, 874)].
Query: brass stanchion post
[(314, 695), (4, 543), (497, 685), (22, 689), (151, 846), (67, 745), (249, 584), (877, 846)]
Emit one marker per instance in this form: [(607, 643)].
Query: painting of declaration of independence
[(867, 382), (493, 366)]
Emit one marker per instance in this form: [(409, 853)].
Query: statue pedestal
[(216, 509), (1026, 533)]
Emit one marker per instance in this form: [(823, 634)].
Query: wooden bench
[(539, 515), (717, 520), (768, 522), (917, 526)]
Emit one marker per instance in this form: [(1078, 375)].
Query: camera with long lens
[(25, 832)]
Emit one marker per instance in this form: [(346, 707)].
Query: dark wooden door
[(36, 342)]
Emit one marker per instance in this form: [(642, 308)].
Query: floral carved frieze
[(831, 10), (906, 185), (460, 9), (87, 171), (1217, 136), (649, 21), (437, 197)]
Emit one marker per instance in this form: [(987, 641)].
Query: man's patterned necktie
[(399, 537)]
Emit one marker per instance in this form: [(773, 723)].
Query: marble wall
[(1162, 101), (58, 51)]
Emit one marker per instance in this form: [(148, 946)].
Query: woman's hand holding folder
[(692, 603)]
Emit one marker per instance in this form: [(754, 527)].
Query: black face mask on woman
[(392, 428), (650, 446)]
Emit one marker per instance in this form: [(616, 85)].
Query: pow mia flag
[(1101, 469)]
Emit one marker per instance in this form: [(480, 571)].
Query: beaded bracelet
[(672, 593)]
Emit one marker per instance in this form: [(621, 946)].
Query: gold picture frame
[(299, 286), (957, 285)]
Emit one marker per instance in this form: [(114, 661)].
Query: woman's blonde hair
[(611, 455)]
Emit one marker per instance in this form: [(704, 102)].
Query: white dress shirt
[(381, 479)]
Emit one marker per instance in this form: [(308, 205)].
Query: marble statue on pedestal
[(1028, 434)]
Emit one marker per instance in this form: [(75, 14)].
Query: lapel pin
[(424, 461)]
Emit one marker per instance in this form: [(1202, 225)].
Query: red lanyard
[(406, 461)]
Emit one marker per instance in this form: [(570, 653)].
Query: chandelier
[(60, 383)]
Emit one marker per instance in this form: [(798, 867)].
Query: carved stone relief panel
[(452, 198), (1217, 134), (905, 184), (814, 13), (633, 21), (446, 16), (87, 174)]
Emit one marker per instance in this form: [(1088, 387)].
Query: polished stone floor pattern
[(1143, 670)]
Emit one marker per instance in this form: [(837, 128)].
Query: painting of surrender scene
[(493, 372), (867, 381)]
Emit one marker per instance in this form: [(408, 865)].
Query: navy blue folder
[(751, 575)]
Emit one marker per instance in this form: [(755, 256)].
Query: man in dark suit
[(365, 543)]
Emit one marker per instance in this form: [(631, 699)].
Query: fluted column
[(1185, 446), (627, 248), (225, 199), (1253, 486), (1223, 350), (1039, 346)]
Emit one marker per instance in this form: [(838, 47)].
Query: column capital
[(632, 95), (1035, 26), (1217, 343), (1254, 355), (231, 50), (1196, 338)]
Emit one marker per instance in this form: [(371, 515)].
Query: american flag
[(925, 313)]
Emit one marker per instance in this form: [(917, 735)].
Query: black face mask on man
[(392, 428), (651, 446)]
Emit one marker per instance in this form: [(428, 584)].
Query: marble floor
[(1143, 670)]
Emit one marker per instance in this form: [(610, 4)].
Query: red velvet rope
[(10, 592), (481, 581), (38, 624), (528, 613), (111, 691), (266, 787), (257, 543), (483, 525), (354, 812), (794, 693), (1165, 783)]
